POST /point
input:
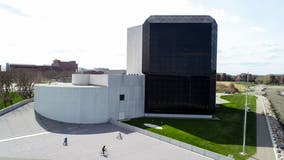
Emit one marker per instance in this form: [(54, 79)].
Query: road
[(264, 144)]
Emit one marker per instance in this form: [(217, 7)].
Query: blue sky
[(250, 33)]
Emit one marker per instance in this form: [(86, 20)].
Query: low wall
[(179, 115), (15, 106), (192, 148)]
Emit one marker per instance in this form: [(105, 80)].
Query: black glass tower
[(179, 63)]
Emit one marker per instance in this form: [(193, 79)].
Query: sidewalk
[(264, 150), (264, 144)]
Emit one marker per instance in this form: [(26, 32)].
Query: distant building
[(100, 71), (65, 66), (57, 65), (111, 71), (27, 67), (91, 71), (115, 71)]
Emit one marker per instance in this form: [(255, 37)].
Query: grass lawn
[(224, 136), (16, 98)]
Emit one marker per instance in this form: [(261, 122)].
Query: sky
[(250, 33)]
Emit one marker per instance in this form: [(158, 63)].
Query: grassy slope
[(277, 101), (223, 136), (240, 86), (16, 98)]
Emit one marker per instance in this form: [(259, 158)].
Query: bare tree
[(282, 79), (232, 88), (5, 88), (25, 83)]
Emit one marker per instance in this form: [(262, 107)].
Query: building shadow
[(76, 129)]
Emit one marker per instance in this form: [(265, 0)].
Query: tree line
[(23, 81), (260, 79)]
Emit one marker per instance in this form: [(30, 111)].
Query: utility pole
[(245, 119)]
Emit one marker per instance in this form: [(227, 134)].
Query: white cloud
[(235, 19), (257, 58), (12, 9), (257, 29), (94, 33)]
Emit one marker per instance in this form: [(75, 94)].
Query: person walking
[(104, 150), (65, 143), (119, 136)]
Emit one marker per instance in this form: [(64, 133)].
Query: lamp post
[(245, 119)]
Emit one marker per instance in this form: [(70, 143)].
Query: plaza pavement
[(219, 100), (27, 135)]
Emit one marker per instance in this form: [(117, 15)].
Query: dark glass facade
[(179, 63)]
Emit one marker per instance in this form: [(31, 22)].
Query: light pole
[(245, 119)]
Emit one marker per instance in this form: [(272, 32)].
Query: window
[(121, 97)]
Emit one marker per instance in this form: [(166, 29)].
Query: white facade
[(91, 98), (134, 50)]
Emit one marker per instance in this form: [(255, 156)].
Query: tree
[(266, 79), (281, 81), (6, 81), (259, 79), (218, 77), (223, 76), (232, 88), (25, 83), (275, 79)]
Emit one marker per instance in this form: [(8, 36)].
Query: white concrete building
[(134, 50), (92, 98), (180, 77)]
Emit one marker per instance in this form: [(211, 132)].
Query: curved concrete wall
[(72, 104), (96, 103), (80, 79), (90, 79), (99, 80)]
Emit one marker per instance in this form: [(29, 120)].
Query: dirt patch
[(222, 86), (273, 93)]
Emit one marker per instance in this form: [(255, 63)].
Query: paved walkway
[(26, 135), (219, 100), (264, 144)]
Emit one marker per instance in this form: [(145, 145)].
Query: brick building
[(57, 65), (65, 66)]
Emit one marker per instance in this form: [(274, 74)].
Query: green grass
[(16, 98), (224, 136)]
